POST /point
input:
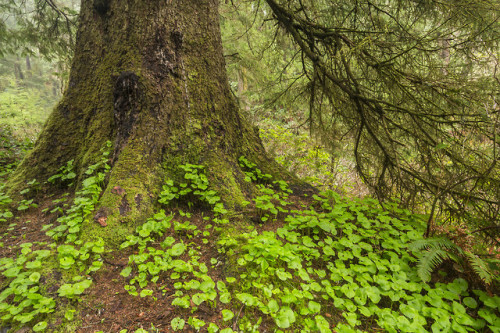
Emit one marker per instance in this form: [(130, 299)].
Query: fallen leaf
[(102, 221), (118, 190)]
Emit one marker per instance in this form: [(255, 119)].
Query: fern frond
[(434, 243), (480, 267), (428, 262)]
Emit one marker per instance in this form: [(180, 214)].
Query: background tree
[(36, 45), (38, 27), (261, 63)]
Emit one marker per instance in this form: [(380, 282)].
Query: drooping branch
[(411, 85), (38, 26)]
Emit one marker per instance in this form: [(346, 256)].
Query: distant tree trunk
[(28, 67), (243, 88), (55, 88), (445, 54), (18, 72), (149, 76), (28, 63)]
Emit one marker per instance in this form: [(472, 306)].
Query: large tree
[(413, 84), (150, 77)]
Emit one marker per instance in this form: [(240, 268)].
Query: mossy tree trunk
[(149, 76)]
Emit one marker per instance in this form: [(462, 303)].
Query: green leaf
[(458, 286), (196, 323), (39, 327), (464, 319), (282, 274), (351, 317), (328, 251), (458, 309), (199, 298), (273, 305), (168, 242), (212, 328), (227, 315), (492, 302), (177, 324), (348, 290), (34, 277), (225, 297), (12, 272), (285, 318), (488, 315), (182, 302), (227, 330), (246, 299), (373, 294), (470, 302), (69, 314), (192, 284), (314, 307), (126, 271), (146, 292), (323, 324), (177, 250), (23, 318), (221, 286)]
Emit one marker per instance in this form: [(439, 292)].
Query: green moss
[(223, 179), (128, 200)]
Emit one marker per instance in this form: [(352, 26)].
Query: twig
[(238, 317)]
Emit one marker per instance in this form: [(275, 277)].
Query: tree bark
[(149, 76)]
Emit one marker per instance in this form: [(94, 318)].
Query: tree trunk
[(149, 76), (28, 66), (18, 72), (28, 63)]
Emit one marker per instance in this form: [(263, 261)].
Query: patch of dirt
[(27, 227), (108, 307)]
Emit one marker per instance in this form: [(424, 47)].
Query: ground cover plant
[(313, 263)]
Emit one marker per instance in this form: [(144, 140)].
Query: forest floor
[(294, 259), (108, 307)]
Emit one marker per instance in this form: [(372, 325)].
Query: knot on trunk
[(101, 6), (126, 96)]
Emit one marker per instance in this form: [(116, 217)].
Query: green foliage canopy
[(45, 27)]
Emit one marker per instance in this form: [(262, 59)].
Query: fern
[(429, 261), (433, 243), (480, 267), (435, 251)]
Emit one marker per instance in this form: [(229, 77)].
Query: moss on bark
[(149, 76)]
